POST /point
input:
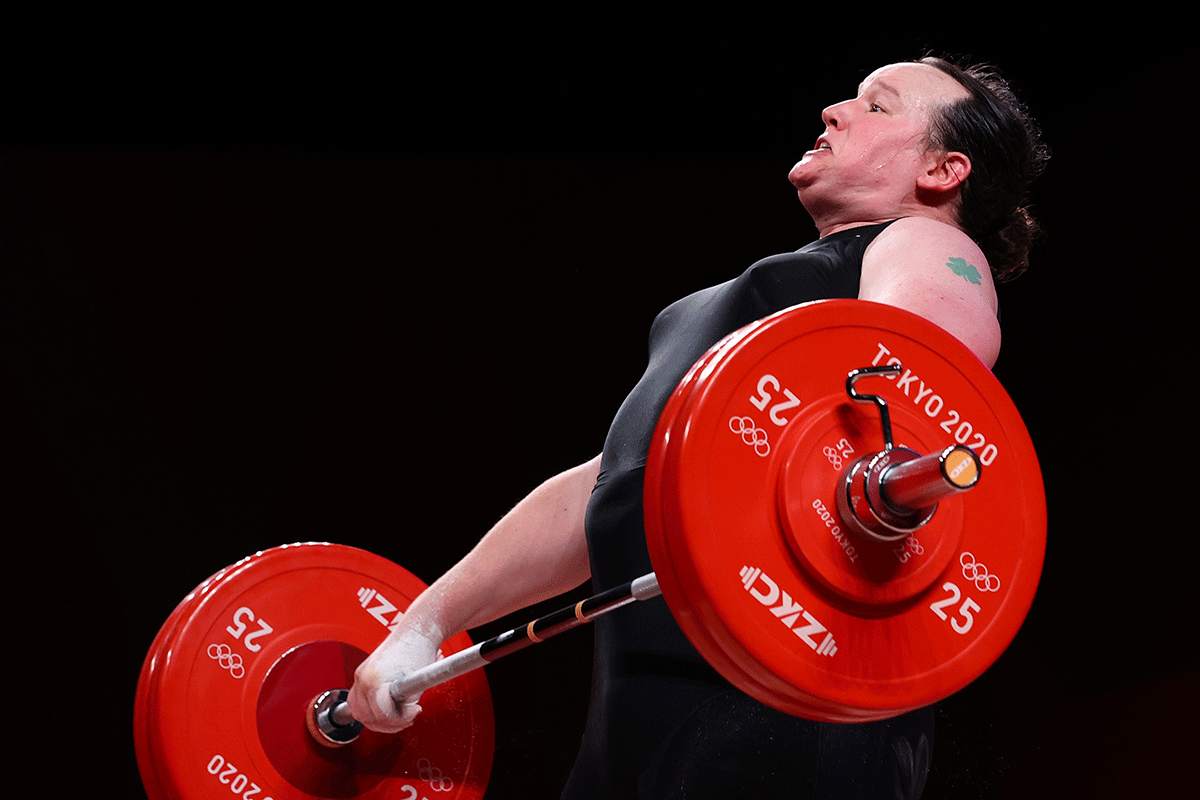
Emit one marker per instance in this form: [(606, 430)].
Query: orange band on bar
[(579, 612), (532, 636)]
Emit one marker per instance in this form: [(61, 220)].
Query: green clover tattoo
[(960, 267)]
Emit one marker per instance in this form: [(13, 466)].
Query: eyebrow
[(883, 86)]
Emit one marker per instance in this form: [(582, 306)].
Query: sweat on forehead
[(913, 81)]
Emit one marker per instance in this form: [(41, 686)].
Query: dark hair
[(993, 129)]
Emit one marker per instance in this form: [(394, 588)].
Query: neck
[(840, 220)]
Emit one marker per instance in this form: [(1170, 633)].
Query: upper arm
[(936, 271)]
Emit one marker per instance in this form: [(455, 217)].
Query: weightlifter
[(918, 189)]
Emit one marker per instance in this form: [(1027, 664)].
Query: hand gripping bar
[(331, 718)]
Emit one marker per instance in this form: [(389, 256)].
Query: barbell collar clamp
[(329, 720), (885, 417)]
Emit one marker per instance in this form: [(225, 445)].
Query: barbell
[(844, 513)]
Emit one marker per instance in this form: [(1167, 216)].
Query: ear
[(945, 172)]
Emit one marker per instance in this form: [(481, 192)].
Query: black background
[(369, 278)]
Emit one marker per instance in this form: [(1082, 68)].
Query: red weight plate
[(228, 689), (147, 686), (760, 572)]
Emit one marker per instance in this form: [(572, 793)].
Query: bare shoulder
[(937, 271)]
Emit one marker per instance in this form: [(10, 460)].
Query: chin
[(799, 175)]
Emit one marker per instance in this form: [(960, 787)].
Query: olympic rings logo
[(972, 570), (427, 772), (752, 435), (223, 655)]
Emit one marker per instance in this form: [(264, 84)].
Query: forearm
[(536, 551)]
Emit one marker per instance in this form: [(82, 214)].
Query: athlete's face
[(874, 147)]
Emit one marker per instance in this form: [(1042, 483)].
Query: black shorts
[(732, 746)]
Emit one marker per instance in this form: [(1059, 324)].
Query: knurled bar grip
[(541, 629)]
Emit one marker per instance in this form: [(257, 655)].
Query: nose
[(834, 116)]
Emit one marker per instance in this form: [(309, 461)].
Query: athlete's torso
[(648, 678)]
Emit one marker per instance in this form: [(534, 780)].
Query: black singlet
[(662, 723)]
